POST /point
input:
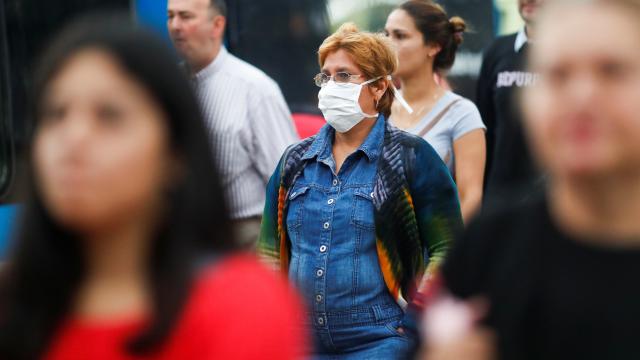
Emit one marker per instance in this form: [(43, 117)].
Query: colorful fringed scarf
[(416, 211)]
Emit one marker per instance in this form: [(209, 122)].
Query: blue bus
[(279, 36)]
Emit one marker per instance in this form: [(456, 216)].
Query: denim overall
[(334, 262)]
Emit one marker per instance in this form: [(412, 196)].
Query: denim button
[(319, 272), (323, 248), (330, 201), (318, 298), (321, 320), (335, 182), (325, 225)]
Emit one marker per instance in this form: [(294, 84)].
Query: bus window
[(25, 28), (282, 37), (27, 25), (6, 158)]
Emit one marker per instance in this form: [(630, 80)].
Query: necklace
[(418, 114), (407, 121)]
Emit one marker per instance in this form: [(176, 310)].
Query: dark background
[(280, 37)]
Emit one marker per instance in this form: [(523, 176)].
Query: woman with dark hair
[(124, 251), (360, 215), (426, 40)]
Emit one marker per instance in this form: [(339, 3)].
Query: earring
[(375, 101)]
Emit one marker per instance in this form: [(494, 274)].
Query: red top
[(236, 310)]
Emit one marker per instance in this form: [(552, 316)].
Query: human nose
[(174, 23), (583, 89), (75, 132)]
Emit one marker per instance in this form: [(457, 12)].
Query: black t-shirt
[(503, 73), (552, 296)]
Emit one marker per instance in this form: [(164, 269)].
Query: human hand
[(452, 332)]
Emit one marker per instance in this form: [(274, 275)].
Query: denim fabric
[(334, 261), (362, 333)]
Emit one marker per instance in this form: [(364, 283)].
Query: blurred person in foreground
[(248, 118), (427, 41), (558, 278), (511, 172), (360, 215), (125, 248)]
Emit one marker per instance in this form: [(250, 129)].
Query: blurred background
[(280, 37)]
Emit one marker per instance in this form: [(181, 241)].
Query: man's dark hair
[(219, 6), (38, 283)]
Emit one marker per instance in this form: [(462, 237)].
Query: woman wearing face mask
[(359, 216), (426, 41), (560, 274), (124, 249)]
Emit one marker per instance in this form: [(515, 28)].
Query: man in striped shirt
[(248, 119)]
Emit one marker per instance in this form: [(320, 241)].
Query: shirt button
[(371, 194), (323, 248), (318, 298), (330, 201), (335, 182), (325, 225), (319, 272), (321, 320)]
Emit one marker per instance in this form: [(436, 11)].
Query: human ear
[(433, 50), (219, 24)]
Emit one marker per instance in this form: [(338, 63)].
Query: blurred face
[(101, 146), (584, 115), (340, 61), (413, 54), (195, 29), (528, 9)]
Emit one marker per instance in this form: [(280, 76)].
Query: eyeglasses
[(340, 77)]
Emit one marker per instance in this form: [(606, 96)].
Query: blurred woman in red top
[(124, 252)]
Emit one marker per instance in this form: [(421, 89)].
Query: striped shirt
[(249, 126)]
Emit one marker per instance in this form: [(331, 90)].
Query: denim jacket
[(416, 210)]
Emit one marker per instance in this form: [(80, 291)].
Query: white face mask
[(339, 104)]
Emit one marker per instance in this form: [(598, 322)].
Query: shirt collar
[(521, 39), (213, 67), (371, 147)]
